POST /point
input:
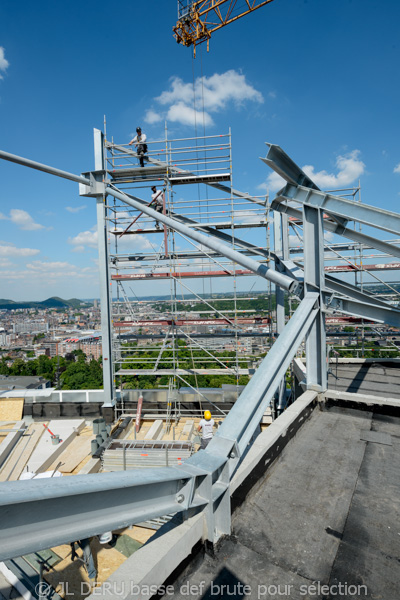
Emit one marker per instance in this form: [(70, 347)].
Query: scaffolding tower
[(192, 332)]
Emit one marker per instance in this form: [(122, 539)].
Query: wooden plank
[(78, 449), (11, 409), (92, 466), (12, 438), (154, 430), (20, 457), (138, 413)]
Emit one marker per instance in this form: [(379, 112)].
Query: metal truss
[(35, 515)]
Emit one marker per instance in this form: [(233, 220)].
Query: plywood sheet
[(11, 409)]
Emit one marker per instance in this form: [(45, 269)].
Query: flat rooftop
[(325, 514), (376, 378)]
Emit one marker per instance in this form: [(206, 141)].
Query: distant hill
[(53, 302)]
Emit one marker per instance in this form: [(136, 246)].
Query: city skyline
[(337, 119)]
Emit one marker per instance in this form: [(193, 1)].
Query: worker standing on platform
[(206, 427), (140, 142), (157, 201)]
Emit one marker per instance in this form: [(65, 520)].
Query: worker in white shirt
[(140, 142), (157, 202), (206, 427)]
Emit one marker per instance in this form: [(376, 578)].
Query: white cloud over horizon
[(349, 168), (184, 104), (8, 249), (23, 220), (52, 271), (86, 240), (4, 64), (75, 209)]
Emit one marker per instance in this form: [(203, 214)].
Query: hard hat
[(207, 415), (138, 129)]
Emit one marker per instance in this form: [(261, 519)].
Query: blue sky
[(321, 79)]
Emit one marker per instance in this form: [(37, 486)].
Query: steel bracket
[(98, 184)]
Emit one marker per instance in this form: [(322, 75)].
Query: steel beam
[(356, 236), (336, 206), (381, 314), (26, 162), (39, 514), (282, 164)]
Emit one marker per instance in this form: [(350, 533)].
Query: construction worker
[(141, 147), (206, 427), (87, 558), (157, 202)]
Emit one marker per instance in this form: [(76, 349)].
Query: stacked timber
[(121, 455)]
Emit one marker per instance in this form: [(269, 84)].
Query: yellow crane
[(198, 19)]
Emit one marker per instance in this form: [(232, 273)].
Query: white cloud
[(75, 209), (349, 166), (78, 249), (211, 93), (152, 117), (7, 250), (5, 262), (83, 239), (397, 169), (55, 271), (23, 220), (40, 265), (186, 115), (2, 216), (88, 239), (3, 62), (273, 183)]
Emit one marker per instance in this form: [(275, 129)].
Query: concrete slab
[(154, 430)]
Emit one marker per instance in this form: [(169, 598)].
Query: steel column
[(104, 282), (280, 246), (314, 281)]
